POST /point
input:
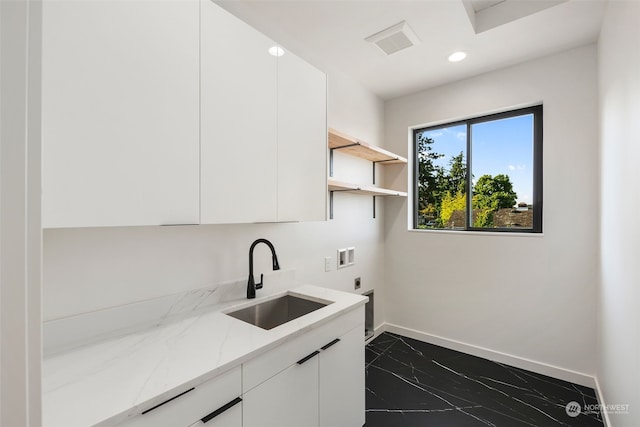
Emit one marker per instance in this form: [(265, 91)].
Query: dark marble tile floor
[(412, 383)]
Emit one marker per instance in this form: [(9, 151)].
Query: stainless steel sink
[(275, 312)]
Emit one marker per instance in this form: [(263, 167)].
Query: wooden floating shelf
[(357, 148), (363, 189)]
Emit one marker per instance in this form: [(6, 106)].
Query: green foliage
[(430, 211), (491, 194), (442, 191), (484, 218), (434, 182), (457, 174), (450, 204), (429, 175), (494, 193)]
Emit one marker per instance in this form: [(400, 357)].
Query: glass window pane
[(441, 176), (502, 173)]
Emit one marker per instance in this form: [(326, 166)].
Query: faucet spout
[(251, 284)]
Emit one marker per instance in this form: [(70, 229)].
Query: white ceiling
[(332, 33)]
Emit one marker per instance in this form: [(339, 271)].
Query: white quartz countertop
[(106, 382)]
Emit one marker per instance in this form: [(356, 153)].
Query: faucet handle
[(259, 285)]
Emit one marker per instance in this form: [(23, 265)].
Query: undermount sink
[(278, 311)]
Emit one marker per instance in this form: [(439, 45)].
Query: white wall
[(619, 301), (20, 234), (90, 269), (528, 296)]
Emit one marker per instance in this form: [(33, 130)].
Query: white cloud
[(517, 167), (511, 167), (462, 136)]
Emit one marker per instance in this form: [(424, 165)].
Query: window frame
[(537, 112)]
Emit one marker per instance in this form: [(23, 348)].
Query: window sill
[(477, 233)]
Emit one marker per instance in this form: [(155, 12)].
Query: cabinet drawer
[(266, 365), (185, 409), (232, 417)]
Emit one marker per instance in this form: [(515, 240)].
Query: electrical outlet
[(327, 263), (356, 283)]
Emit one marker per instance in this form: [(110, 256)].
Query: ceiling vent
[(395, 38)]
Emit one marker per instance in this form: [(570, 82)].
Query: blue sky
[(498, 147)]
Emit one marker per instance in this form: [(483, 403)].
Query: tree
[(429, 175), (450, 204), (457, 174), (489, 195), (494, 192)]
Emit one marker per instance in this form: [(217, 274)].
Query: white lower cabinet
[(289, 399), (316, 380), (342, 382), (216, 401)]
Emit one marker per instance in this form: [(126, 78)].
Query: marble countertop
[(108, 381)]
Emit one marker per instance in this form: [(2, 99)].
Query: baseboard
[(377, 331), (603, 404), (519, 362)]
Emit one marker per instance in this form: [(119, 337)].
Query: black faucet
[(252, 285)]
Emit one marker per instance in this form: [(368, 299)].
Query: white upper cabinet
[(120, 113), (175, 112), (263, 127), (302, 140), (238, 121)]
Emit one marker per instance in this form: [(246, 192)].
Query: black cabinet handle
[(304, 359), (334, 342), (168, 400), (220, 410)]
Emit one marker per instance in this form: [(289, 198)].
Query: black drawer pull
[(334, 342), (304, 359), (169, 400), (220, 410)]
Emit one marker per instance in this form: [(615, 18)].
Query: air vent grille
[(394, 39)]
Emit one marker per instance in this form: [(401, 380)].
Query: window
[(498, 157)]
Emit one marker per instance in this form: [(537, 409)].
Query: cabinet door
[(238, 121), (342, 381), (302, 140), (289, 399), (120, 113)]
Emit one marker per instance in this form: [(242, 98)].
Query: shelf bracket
[(374, 207), (374, 162), (373, 165), (330, 204), (331, 162), (331, 150)]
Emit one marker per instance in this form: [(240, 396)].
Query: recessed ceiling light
[(457, 56), (276, 51)]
